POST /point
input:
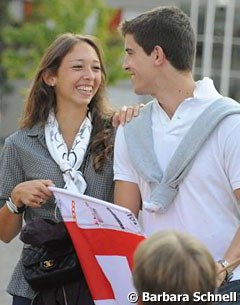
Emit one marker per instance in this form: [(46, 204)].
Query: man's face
[(139, 65)]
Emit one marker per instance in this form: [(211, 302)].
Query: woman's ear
[(159, 55), (49, 79)]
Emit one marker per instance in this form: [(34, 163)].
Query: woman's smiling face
[(79, 76)]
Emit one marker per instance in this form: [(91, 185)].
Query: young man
[(152, 177)]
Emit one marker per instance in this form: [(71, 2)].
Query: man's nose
[(125, 64)]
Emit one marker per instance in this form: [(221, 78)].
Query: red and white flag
[(105, 237)]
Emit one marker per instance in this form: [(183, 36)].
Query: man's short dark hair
[(168, 27)]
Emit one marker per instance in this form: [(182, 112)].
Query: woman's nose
[(88, 74)]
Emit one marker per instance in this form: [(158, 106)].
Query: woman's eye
[(77, 67), (97, 68)]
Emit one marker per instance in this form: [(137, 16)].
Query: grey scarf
[(139, 139)]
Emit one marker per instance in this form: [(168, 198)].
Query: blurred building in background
[(217, 25), (216, 22)]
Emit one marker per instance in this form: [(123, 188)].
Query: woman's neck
[(69, 124)]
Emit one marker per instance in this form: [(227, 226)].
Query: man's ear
[(49, 79), (159, 55)]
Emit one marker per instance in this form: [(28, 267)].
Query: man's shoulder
[(148, 105), (229, 101), (144, 117)]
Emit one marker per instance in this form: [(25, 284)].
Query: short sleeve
[(123, 168), (11, 172)]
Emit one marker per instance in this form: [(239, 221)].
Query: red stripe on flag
[(113, 242), (97, 282), (91, 242)]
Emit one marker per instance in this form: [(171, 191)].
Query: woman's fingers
[(125, 114), (33, 193)]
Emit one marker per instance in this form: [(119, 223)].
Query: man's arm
[(233, 252), (127, 194)]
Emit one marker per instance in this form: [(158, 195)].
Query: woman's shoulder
[(15, 137), (22, 134)]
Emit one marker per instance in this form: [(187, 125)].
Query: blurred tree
[(25, 42), (4, 19)]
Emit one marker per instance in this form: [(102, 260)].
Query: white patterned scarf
[(69, 161)]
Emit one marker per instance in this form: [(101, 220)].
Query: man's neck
[(175, 90)]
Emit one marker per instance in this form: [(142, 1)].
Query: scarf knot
[(162, 194)]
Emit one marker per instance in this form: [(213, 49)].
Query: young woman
[(66, 139)]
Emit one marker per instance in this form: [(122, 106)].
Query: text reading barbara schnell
[(196, 297)]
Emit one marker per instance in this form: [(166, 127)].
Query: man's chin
[(138, 90)]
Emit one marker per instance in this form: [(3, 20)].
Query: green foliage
[(4, 19), (26, 42)]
